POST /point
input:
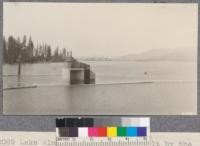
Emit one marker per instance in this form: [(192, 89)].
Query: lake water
[(121, 88)]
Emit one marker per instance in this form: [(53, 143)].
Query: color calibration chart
[(103, 131)]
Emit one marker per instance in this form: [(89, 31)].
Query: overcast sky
[(104, 29)]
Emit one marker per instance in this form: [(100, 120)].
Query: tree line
[(25, 51)]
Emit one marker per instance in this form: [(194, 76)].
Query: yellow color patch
[(111, 131)]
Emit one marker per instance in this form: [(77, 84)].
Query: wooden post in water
[(19, 65), (19, 69)]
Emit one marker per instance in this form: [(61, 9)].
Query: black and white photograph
[(99, 58)]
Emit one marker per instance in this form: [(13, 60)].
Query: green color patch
[(121, 131)]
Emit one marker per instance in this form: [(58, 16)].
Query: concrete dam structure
[(76, 72)]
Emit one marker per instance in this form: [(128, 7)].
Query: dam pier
[(76, 72)]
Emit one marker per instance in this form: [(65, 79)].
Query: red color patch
[(102, 132)]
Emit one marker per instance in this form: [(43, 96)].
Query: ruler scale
[(124, 131), (75, 143)]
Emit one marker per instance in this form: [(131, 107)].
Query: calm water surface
[(121, 88)]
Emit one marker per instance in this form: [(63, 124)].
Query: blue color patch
[(141, 131), (131, 131)]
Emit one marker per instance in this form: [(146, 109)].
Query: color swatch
[(90, 127)]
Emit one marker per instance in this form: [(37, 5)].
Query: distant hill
[(161, 55)]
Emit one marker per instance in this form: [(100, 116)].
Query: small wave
[(32, 75), (19, 87), (116, 83)]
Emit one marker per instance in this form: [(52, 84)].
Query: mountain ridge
[(160, 55)]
